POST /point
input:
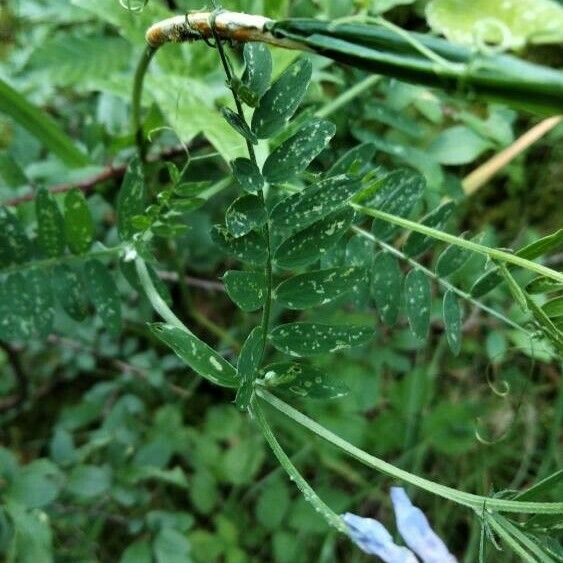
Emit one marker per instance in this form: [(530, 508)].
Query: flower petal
[(416, 531), (372, 537)]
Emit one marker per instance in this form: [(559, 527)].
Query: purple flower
[(372, 537)]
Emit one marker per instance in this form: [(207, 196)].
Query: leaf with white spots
[(50, 224), (258, 70), (248, 290), (318, 288), (239, 125), (302, 209), (302, 380), (398, 194), (251, 248), (247, 366), (245, 214), (356, 161), (452, 321), (131, 200), (308, 245), (104, 295), (417, 302), (38, 293), (296, 153), (68, 287), (79, 225), (282, 99), (418, 243), (197, 354), (248, 175), (386, 287), (310, 339), (451, 260), (15, 247)]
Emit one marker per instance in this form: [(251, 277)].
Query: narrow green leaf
[(104, 295), (251, 248), (68, 287), (247, 289), (245, 214), (11, 172), (131, 200), (16, 321), (310, 244), (452, 321), (248, 175), (543, 285), (458, 145), (387, 287), (417, 243), (451, 260), (301, 209), (239, 125), (417, 301), (318, 288), (40, 298), (197, 354), (258, 70), (400, 192), (50, 224), (247, 366), (191, 189), (282, 99), (309, 339), (40, 126), (356, 161), (554, 307), (485, 283), (296, 153), (15, 247), (79, 225), (537, 490), (302, 380)]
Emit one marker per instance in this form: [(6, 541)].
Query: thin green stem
[(308, 493), (466, 499), (348, 95), (493, 253)]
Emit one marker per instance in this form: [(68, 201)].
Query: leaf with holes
[(197, 354), (282, 99), (418, 243), (79, 225), (452, 321), (417, 302), (239, 125), (316, 202), (310, 339), (104, 295), (248, 175), (258, 69), (302, 380), (386, 287), (251, 248), (15, 247), (68, 287), (318, 288), (310, 244), (296, 153), (50, 224), (245, 214), (247, 366), (131, 200), (248, 290)]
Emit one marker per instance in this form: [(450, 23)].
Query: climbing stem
[(470, 500)]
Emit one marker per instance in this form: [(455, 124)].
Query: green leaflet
[(40, 297), (40, 125), (11, 172), (251, 248), (258, 70), (296, 153), (377, 111), (356, 161), (131, 200), (386, 287), (15, 247), (316, 202), (68, 287), (309, 339), (417, 243), (79, 225), (247, 366), (554, 307), (452, 321), (318, 288), (485, 283), (50, 224), (245, 214), (310, 244), (239, 125), (247, 174), (417, 302), (104, 295), (197, 354), (543, 285), (302, 380), (458, 145), (451, 260), (282, 99), (247, 289), (400, 192)]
